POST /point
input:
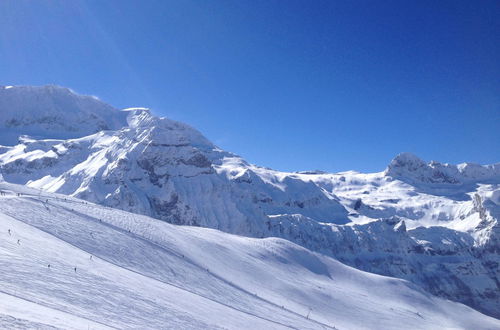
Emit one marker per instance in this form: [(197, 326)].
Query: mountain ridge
[(168, 170)]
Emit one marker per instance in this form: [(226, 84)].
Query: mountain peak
[(40, 90), (407, 160), (53, 111), (408, 167)]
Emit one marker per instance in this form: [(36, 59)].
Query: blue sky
[(292, 85)]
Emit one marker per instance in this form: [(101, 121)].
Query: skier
[(9, 231), (75, 269), (90, 257), (48, 266), (18, 241)]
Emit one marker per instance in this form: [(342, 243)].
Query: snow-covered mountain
[(410, 168), (433, 224), (53, 112), (66, 263), (168, 170)]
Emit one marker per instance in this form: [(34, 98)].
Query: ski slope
[(114, 269)]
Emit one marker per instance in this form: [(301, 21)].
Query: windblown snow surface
[(435, 225), (113, 269)]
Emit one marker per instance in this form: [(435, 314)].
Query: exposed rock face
[(433, 224)]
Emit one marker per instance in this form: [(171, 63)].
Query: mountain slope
[(145, 273), (168, 170), (433, 224)]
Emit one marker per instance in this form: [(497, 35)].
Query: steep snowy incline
[(52, 112), (146, 273)]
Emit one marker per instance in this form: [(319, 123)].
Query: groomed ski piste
[(67, 263)]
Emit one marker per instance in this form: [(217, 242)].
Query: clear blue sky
[(293, 85)]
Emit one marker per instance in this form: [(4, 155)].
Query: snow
[(410, 168), (53, 112), (431, 223), (136, 109), (145, 273), (18, 313)]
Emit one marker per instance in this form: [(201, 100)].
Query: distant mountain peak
[(408, 161), (44, 89), (407, 157), (408, 167)]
